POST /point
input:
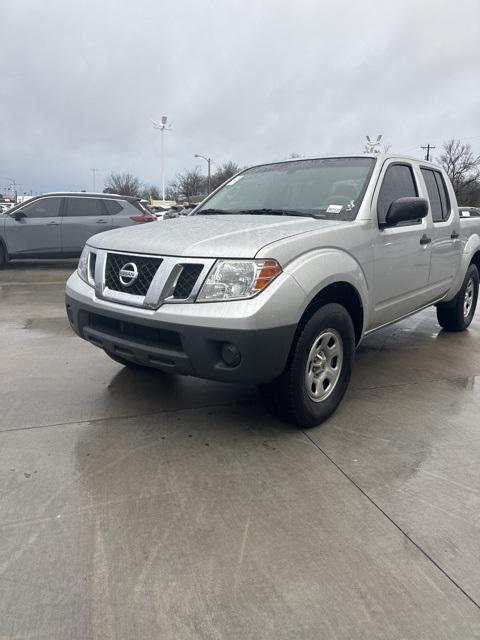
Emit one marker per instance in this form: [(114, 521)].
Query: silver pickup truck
[(279, 274)]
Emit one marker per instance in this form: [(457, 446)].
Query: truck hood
[(227, 236)]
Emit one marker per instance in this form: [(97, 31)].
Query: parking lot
[(138, 505)]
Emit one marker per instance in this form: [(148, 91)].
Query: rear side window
[(442, 188), (398, 182), (133, 208), (84, 207), (113, 207), (437, 194), (433, 195), (43, 208)]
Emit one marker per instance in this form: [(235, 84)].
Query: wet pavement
[(138, 505)]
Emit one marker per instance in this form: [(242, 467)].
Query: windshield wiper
[(261, 212), (280, 212), (212, 212)]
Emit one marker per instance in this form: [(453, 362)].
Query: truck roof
[(374, 156)]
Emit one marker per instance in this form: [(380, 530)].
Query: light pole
[(13, 186), (208, 161), (94, 171), (162, 126)]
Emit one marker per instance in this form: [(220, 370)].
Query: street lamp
[(162, 126), (13, 187), (208, 161)]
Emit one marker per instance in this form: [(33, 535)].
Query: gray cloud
[(242, 80)]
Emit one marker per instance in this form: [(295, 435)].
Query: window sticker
[(334, 208)]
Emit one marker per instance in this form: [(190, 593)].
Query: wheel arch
[(3, 246), (476, 259), (343, 293)]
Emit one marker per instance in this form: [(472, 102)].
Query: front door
[(401, 253), (36, 232), (83, 217)]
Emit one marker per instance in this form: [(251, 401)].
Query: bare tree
[(151, 192), (462, 167), (125, 184), (188, 183), (223, 173)]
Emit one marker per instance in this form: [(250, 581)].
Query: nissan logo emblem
[(128, 274)]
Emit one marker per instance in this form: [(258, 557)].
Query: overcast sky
[(242, 80)]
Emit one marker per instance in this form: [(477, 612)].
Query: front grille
[(147, 268), (139, 333), (187, 280)]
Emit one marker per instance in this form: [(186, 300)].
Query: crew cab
[(279, 274)]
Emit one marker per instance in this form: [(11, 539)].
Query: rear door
[(401, 253), (446, 243), (37, 232), (83, 217)]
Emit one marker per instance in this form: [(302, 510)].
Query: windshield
[(326, 188)]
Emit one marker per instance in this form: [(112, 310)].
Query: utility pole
[(94, 171), (162, 126), (208, 161), (427, 149)]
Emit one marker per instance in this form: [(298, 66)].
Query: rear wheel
[(457, 314), (318, 370), (3, 258)]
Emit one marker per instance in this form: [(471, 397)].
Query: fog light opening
[(230, 354)]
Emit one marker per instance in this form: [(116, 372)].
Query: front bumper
[(175, 347)]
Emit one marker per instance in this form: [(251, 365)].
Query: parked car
[(58, 224), (469, 212), (6, 206), (279, 275)]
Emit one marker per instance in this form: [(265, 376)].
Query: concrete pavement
[(138, 505)]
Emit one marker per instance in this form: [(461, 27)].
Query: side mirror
[(18, 215), (404, 209)]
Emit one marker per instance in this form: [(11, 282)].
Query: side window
[(113, 207), (43, 208), (433, 195), (398, 182), (442, 189), (132, 208), (84, 207)]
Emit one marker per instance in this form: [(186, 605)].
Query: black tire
[(3, 259), (453, 316), (289, 396), (126, 362)]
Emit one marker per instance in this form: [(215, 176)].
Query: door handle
[(102, 221), (454, 235), (53, 224), (425, 239)]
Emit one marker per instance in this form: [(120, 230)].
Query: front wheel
[(3, 258), (318, 369), (457, 314)]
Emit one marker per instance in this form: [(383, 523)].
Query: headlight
[(84, 266), (238, 279)]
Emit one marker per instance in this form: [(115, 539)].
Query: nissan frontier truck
[(279, 274)]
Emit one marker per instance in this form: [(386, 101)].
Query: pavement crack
[(392, 521), (129, 416)]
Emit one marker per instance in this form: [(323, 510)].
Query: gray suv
[(57, 225)]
